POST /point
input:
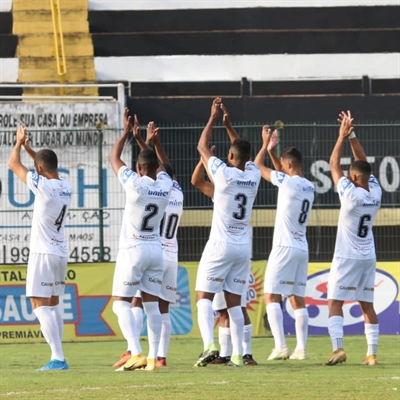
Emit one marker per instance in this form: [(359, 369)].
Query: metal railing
[(58, 41)]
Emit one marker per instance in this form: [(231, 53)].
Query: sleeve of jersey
[(125, 174), (278, 178), (373, 182), (345, 188), (216, 167), (34, 182)]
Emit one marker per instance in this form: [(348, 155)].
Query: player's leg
[(279, 280), (210, 277), (224, 332), (166, 329), (247, 336), (365, 297), (342, 282), (167, 297), (299, 306), (125, 284), (151, 288), (39, 288), (137, 311)]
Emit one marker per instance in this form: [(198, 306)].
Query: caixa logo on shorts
[(46, 284), (236, 280), (153, 280), (213, 279), (316, 300), (131, 283)]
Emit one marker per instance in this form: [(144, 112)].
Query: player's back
[(171, 219), (52, 201), (359, 208), (234, 194), (294, 205), (146, 201)]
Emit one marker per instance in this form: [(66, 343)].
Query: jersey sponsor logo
[(236, 280), (286, 282), (301, 284), (154, 280), (175, 203), (213, 279), (309, 189), (249, 183), (35, 180), (347, 288), (47, 284), (316, 298), (171, 288), (280, 176), (126, 283), (215, 165), (158, 193), (344, 185), (373, 203), (59, 283), (126, 174)]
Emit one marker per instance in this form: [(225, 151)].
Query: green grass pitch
[(91, 377)]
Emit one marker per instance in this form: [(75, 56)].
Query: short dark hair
[(292, 154), (241, 149), (363, 167), (148, 160), (48, 159), (169, 170)]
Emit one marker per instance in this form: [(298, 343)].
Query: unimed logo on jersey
[(385, 290), (82, 311)]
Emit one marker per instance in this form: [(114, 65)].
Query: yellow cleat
[(337, 357), (370, 360), (135, 362)]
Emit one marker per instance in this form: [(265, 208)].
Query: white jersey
[(146, 200), (295, 200), (52, 201), (354, 238), (234, 195), (170, 222)]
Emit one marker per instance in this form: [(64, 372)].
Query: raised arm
[(29, 150), (14, 162), (116, 151), (200, 183), (259, 160), (227, 122), (356, 148), (202, 147), (346, 128), (274, 140)]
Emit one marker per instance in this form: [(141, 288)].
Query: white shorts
[(352, 279), (140, 267), (286, 272), (219, 302), (46, 275), (223, 266)]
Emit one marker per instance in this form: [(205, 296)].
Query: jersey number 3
[(242, 199)]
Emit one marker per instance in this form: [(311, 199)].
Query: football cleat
[(237, 360), (161, 362), (151, 364), (231, 364), (279, 354), (337, 357), (370, 360), (133, 363), (206, 357), (298, 355), (221, 360), (249, 361), (54, 365), (124, 358)]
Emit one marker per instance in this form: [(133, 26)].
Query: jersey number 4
[(58, 222)]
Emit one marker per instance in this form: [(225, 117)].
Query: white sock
[(372, 335), (137, 313), (205, 319), (126, 322), (236, 322), (301, 317), (56, 311), (166, 329), (335, 327), (154, 323), (247, 334), (48, 325), (225, 343), (275, 319)]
